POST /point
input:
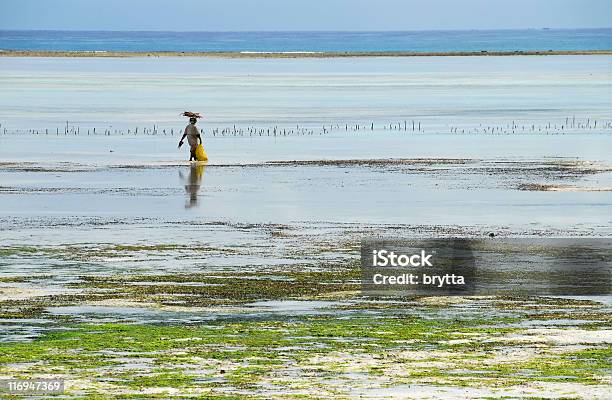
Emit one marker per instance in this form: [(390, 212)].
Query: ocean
[(409, 41)]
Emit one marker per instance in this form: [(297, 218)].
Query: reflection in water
[(193, 183)]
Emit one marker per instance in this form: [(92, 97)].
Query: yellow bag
[(200, 153)]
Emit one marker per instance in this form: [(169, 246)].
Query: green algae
[(263, 339), (251, 355), (13, 279), (21, 311), (225, 288), (88, 252), (8, 251), (587, 367)]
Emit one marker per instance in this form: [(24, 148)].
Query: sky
[(302, 15)]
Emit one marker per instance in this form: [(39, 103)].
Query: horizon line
[(311, 31)]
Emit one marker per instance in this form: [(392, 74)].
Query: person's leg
[(192, 156)]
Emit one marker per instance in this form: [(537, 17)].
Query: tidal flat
[(276, 311), (445, 348), (131, 273)]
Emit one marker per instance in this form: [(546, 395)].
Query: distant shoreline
[(333, 54)]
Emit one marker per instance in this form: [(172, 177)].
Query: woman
[(193, 135)]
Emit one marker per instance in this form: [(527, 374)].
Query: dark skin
[(192, 156)]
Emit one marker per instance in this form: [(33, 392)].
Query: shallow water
[(92, 152), (126, 93), (461, 190)]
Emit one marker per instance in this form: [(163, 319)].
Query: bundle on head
[(191, 114)]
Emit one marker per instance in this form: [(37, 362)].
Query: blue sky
[(271, 15)]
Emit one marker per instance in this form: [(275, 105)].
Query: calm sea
[(417, 41)]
